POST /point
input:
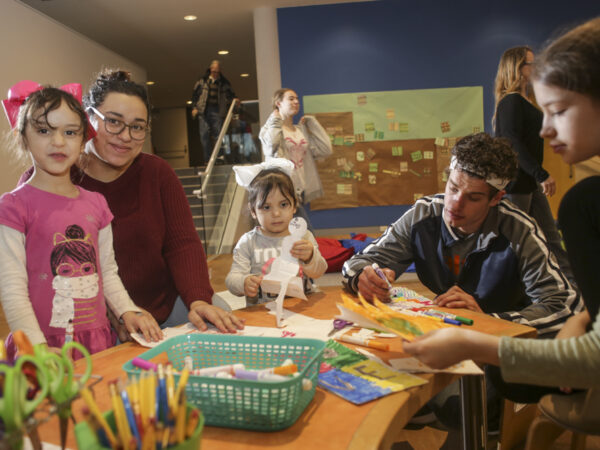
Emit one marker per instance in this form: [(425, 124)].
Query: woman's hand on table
[(225, 321), (448, 346), (455, 297), (142, 322)]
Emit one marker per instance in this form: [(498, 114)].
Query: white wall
[(35, 47), (170, 136)]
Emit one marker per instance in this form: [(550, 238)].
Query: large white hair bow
[(245, 174)]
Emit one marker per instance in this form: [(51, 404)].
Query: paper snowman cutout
[(283, 278)]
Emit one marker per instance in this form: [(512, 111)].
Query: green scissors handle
[(14, 405), (73, 387)]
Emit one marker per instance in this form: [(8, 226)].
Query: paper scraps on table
[(168, 333), (282, 279)]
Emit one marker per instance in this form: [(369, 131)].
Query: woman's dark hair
[(39, 104), (572, 61), (265, 182), (110, 80)]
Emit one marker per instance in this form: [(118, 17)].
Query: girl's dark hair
[(110, 80), (265, 182), (75, 246), (572, 61), (39, 104)]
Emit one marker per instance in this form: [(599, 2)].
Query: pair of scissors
[(338, 324), (63, 385), (16, 405)]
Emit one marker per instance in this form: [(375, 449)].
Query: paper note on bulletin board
[(390, 148)]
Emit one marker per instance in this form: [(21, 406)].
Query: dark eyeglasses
[(137, 131)]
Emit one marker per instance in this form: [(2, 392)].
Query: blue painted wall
[(419, 44)]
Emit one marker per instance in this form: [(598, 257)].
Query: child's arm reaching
[(307, 252), (14, 290), (117, 297)]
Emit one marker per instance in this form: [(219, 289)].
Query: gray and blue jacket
[(507, 268)]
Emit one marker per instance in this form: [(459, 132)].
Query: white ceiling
[(153, 34)]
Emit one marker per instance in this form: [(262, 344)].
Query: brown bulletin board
[(378, 173)]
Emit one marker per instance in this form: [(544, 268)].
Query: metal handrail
[(213, 157)]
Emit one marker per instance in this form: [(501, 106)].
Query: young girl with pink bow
[(56, 255)]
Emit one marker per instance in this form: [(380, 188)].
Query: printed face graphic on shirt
[(73, 264)]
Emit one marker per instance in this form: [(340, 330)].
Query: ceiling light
[(223, 52), (189, 102), (150, 83), (189, 17), (244, 75)]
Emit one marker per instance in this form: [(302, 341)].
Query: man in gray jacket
[(471, 248), (474, 251)]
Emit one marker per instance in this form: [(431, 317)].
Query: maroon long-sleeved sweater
[(156, 245)]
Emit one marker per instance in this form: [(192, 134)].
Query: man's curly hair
[(490, 157)]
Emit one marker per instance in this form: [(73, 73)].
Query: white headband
[(245, 174), (496, 182)]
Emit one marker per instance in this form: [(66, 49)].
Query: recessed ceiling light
[(189, 17), (244, 75), (149, 83), (189, 102), (223, 52)]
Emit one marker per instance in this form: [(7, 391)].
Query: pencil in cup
[(87, 438), (127, 427)]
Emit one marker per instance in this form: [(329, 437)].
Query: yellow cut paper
[(382, 376), (405, 326)]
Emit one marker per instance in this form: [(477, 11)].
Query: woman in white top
[(301, 143)]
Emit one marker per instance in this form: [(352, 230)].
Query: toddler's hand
[(303, 250), (251, 285), (144, 323)]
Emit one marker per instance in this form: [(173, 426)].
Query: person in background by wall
[(518, 119), (301, 144), (212, 98)]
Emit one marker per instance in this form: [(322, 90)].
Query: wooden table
[(328, 421)]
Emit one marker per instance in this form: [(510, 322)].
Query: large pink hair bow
[(17, 95)]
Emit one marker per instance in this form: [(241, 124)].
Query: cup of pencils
[(147, 413)]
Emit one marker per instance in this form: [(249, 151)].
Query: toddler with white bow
[(272, 202)]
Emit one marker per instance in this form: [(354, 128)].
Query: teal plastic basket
[(253, 405)]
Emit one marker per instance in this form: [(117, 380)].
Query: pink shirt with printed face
[(63, 261)]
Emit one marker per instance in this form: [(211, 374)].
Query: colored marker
[(365, 342), (143, 364), (257, 375), (464, 320), (287, 369), (211, 371), (381, 275)]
